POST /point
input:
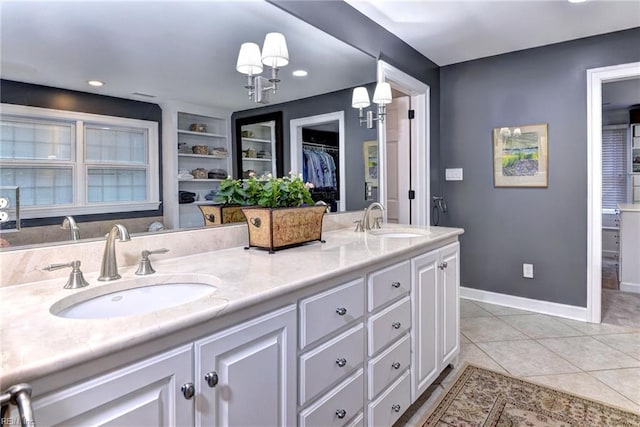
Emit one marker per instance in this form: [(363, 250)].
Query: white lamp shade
[(382, 94), (274, 50), (249, 59), (360, 98)]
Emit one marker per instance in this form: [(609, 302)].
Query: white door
[(147, 393), (248, 373), (450, 294), (425, 311), (398, 165)]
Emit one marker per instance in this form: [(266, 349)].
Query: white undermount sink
[(133, 297), (399, 233)]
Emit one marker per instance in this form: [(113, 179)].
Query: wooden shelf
[(255, 159), (202, 156), (264, 141), (210, 135)]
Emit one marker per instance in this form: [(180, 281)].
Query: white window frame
[(80, 205)]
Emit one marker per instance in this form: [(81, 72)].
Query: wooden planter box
[(221, 214), (282, 228)]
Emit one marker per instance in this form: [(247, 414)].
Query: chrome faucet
[(109, 268), (366, 224), (69, 223)]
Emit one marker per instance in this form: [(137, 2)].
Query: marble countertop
[(36, 343), (629, 207)]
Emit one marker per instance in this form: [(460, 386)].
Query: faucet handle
[(144, 267), (76, 279), (358, 223), (377, 221)]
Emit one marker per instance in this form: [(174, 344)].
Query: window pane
[(36, 140), (614, 164), (40, 186), (117, 185), (116, 145)]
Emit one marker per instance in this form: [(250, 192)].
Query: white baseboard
[(630, 287), (544, 307)]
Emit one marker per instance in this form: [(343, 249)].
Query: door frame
[(420, 94), (595, 78), (295, 134)]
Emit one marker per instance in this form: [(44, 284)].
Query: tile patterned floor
[(598, 361)]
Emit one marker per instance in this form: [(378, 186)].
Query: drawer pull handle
[(211, 378), (443, 265), (341, 413), (395, 365), (341, 311), (396, 325), (341, 362), (396, 284), (396, 408), (188, 390)]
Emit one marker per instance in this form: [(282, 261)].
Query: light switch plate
[(527, 271), (453, 174)]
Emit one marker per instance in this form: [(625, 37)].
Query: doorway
[(398, 131), (419, 158), (595, 78)]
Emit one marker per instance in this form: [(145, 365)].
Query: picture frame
[(370, 153), (521, 156)]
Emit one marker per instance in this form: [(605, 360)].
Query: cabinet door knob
[(443, 265), (396, 325), (341, 311), (341, 413), (341, 362), (395, 365), (211, 378), (396, 408), (396, 284), (188, 390)]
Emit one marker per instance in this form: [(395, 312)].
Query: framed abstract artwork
[(521, 156)]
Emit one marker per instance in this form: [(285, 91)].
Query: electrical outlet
[(527, 271)]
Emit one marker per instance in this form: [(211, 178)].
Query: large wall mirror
[(183, 52)]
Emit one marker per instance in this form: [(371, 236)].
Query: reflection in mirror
[(144, 61)]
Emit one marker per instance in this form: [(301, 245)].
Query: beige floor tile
[(585, 385), (626, 343), (597, 328), (526, 358), (470, 309), (479, 329), (589, 354), (500, 310), (541, 326), (471, 353), (624, 381), (463, 339)]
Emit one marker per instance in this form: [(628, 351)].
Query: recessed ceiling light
[(96, 83), (577, 1), (300, 73)]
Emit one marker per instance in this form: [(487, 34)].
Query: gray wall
[(505, 227), (347, 24), (354, 134)]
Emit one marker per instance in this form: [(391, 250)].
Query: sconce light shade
[(382, 94), (274, 50), (249, 59), (360, 98)]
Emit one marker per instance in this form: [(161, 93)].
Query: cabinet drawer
[(330, 362), (330, 310), (357, 421), (389, 365), (328, 411), (386, 410), (389, 324), (388, 284)]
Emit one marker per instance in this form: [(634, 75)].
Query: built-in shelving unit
[(257, 149), (634, 163)]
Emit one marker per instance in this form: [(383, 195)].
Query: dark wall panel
[(506, 227)]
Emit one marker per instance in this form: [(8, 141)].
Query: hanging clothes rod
[(321, 146)]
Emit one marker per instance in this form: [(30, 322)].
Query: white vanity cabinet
[(436, 314), (148, 392), (246, 375)]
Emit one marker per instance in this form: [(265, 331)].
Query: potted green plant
[(230, 198)]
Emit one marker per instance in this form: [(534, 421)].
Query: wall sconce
[(381, 96), (274, 54)]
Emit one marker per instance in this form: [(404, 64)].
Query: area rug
[(481, 397)]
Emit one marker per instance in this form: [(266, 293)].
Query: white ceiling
[(448, 32), (174, 50)]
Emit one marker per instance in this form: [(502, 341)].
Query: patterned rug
[(480, 397)]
